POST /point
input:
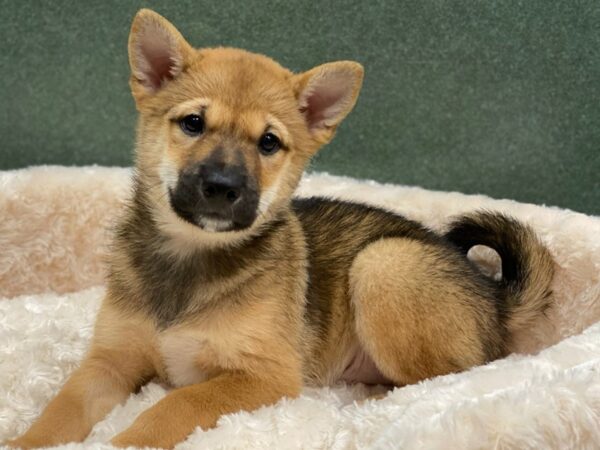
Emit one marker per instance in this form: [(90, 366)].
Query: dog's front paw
[(124, 440), (11, 444), (138, 439), (144, 432), (128, 439), (21, 442)]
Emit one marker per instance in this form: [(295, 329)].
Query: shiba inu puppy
[(236, 294)]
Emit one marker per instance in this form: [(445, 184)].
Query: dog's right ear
[(157, 53)]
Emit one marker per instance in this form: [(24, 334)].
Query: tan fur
[(413, 324), (238, 319)]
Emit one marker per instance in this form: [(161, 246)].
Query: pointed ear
[(157, 53), (326, 94)]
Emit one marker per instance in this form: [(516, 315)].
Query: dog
[(237, 294)]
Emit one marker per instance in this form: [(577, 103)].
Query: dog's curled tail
[(527, 266)]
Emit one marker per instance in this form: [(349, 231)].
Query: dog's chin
[(212, 224), (216, 225)]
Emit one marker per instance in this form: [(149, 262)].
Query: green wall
[(494, 97)]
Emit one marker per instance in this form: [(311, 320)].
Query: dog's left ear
[(326, 94), (158, 53)]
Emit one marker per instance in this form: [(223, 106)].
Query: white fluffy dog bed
[(52, 239)]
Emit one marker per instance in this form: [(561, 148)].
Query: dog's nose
[(221, 186), (217, 186)]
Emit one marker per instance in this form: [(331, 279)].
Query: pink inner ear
[(325, 100), (158, 59)]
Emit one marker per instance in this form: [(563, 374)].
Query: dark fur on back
[(335, 232)]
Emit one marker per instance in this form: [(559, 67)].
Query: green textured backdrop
[(494, 97)]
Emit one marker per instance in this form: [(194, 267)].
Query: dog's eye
[(269, 144), (192, 125)]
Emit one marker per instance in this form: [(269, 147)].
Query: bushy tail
[(527, 267)]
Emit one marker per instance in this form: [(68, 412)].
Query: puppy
[(236, 294)]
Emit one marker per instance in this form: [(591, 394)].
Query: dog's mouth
[(214, 225)]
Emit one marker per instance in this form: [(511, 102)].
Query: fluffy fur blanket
[(52, 239)]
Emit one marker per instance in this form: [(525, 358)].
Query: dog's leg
[(413, 314), (174, 417), (115, 365)]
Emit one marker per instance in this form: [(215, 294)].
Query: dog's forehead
[(238, 77), (235, 59)]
